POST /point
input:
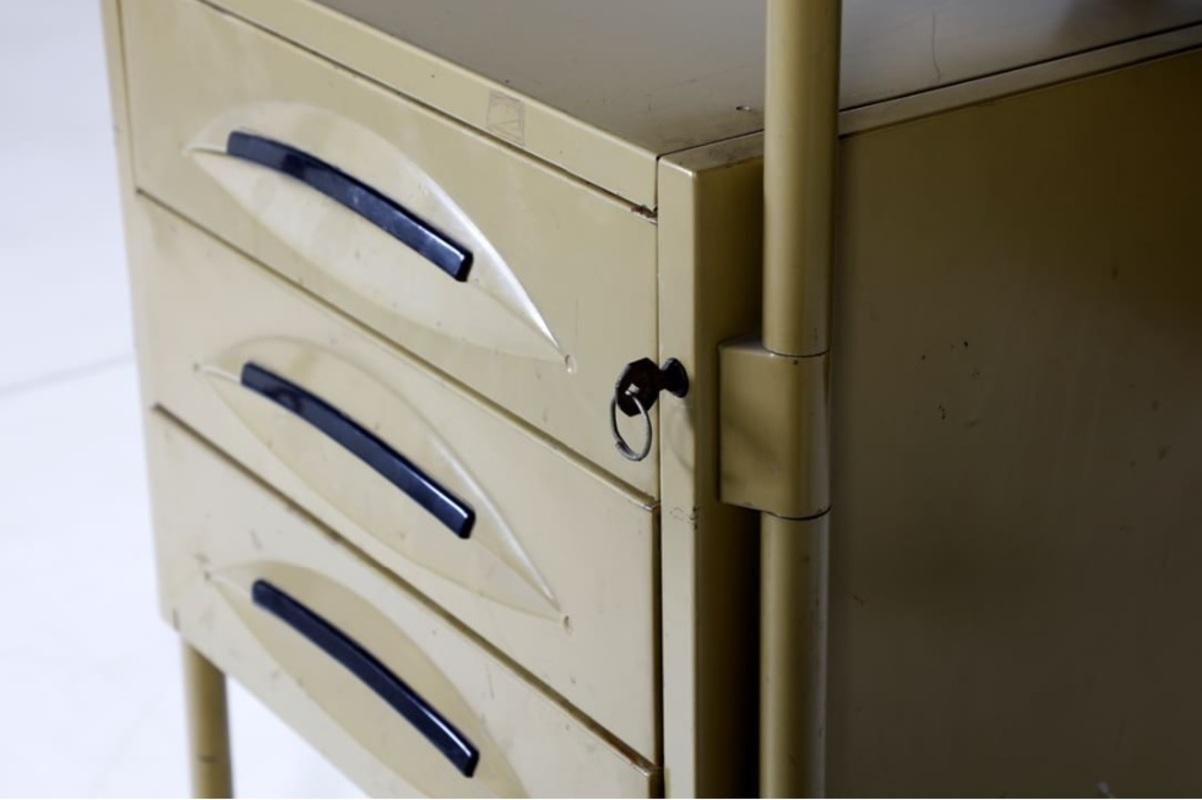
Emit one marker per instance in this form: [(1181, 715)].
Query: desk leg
[(208, 726)]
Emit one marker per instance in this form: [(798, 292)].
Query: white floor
[(90, 696)]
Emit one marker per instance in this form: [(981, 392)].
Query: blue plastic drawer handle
[(376, 453), (367, 668), (365, 201)]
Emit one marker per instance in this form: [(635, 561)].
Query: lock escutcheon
[(635, 393), (642, 380)]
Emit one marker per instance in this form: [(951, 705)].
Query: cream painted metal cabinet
[(400, 271)]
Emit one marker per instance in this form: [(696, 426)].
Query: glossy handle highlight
[(375, 452), (350, 192), (367, 668)]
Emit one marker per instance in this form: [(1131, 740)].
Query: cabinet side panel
[(110, 18), (114, 50), (1017, 465), (709, 286)]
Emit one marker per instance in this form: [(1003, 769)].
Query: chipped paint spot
[(506, 117)]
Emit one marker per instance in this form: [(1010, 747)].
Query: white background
[(90, 694)]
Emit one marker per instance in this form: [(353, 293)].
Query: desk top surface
[(670, 74), (604, 89)]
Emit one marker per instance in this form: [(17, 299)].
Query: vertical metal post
[(800, 148), (793, 607), (208, 726), (800, 140)]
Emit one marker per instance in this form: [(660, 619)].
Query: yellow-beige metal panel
[(559, 572), (1020, 79), (487, 102), (210, 554), (561, 293), (1016, 439), (893, 48), (709, 252), (601, 89), (204, 685), (114, 50)]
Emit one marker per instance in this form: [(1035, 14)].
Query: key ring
[(619, 441)]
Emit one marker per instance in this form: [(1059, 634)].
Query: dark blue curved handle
[(367, 668), (352, 193), (378, 454)]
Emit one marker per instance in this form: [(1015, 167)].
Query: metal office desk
[(389, 261)]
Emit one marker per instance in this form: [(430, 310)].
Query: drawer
[(547, 558), (521, 282), (387, 687)]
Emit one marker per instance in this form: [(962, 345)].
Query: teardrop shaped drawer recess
[(550, 562), (524, 283), (392, 693)]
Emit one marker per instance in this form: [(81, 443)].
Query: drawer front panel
[(551, 562), (393, 693), (525, 284)]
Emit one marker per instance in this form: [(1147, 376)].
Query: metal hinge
[(774, 430)]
